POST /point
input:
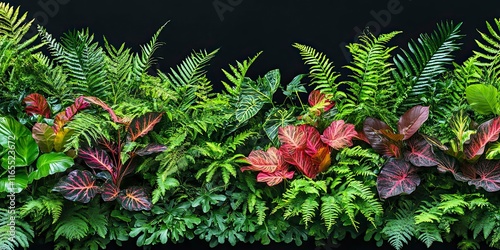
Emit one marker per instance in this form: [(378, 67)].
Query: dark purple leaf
[(412, 120), (446, 163), (135, 199), (109, 191), (397, 177), (78, 186), (373, 130), (36, 104), (151, 149), (97, 159), (487, 175), (486, 132), (140, 126), (420, 152)]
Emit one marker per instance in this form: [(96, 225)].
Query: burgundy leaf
[(112, 147), (44, 136), (135, 199), (486, 132), (152, 148), (36, 104), (109, 191), (140, 126), (373, 130), (293, 137), (488, 175), (301, 160), (420, 152), (264, 161), (275, 177), (316, 98), (78, 186), (313, 141), (397, 177), (446, 163), (97, 159), (412, 120), (339, 135)]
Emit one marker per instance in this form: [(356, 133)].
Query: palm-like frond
[(371, 93), (321, 69), (119, 70), (14, 26), (145, 60), (237, 75), (425, 60)]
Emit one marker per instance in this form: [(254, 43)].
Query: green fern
[(24, 232), (418, 69), (87, 129), (14, 27), (401, 228), (237, 75), (489, 57), (119, 70), (142, 62)]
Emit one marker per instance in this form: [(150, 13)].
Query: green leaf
[(271, 82), (49, 164), (19, 181), (22, 152), (493, 151), (248, 107), (10, 129), (277, 118), (483, 99), (295, 86)]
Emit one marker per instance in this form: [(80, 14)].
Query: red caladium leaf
[(361, 136), (36, 104), (373, 130), (135, 199), (420, 152), (67, 115), (397, 177), (339, 135), (293, 137), (412, 120), (98, 159), (275, 177), (486, 132), (140, 126), (78, 186), (301, 160), (109, 191), (265, 161), (488, 175), (152, 148), (446, 163), (313, 141), (316, 98), (44, 136)]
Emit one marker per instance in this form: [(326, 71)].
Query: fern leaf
[(237, 75), (330, 211)]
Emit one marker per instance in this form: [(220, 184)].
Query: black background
[(246, 27), (250, 26)]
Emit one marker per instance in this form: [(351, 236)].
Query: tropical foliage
[(98, 148)]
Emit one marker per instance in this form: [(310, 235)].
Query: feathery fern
[(23, 233), (489, 57)]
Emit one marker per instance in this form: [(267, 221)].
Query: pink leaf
[(412, 120), (339, 135), (294, 137), (98, 159), (78, 186), (100, 103), (301, 160), (36, 104), (135, 199), (141, 126), (264, 161), (319, 100), (486, 132), (313, 141), (109, 191), (397, 177), (67, 115), (420, 152), (275, 177)]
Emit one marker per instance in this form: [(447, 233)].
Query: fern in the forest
[(489, 56), (22, 235)]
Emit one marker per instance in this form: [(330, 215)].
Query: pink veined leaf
[(275, 177), (339, 135), (397, 177), (141, 126), (317, 98), (150, 149), (36, 104), (67, 115), (265, 161), (446, 163), (486, 132), (44, 136), (420, 152), (488, 176), (293, 137), (301, 160), (98, 159), (109, 191), (313, 141), (135, 199), (78, 186), (412, 120)]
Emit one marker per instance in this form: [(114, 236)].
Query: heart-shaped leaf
[(36, 104), (483, 98), (488, 176), (339, 135), (486, 132), (265, 161), (420, 153), (49, 164), (78, 186), (98, 159), (109, 191), (293, 137), (135, 199), (397, 177), (275, 177)]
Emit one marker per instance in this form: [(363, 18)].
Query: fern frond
[(237, 75), (429, 233), (418, 69), (401, 228), (371, 93), (22, 236), (489, 57), (118, 63), (142, 62), (330, 211), (14, 26), (321, 70), (88, 129)]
